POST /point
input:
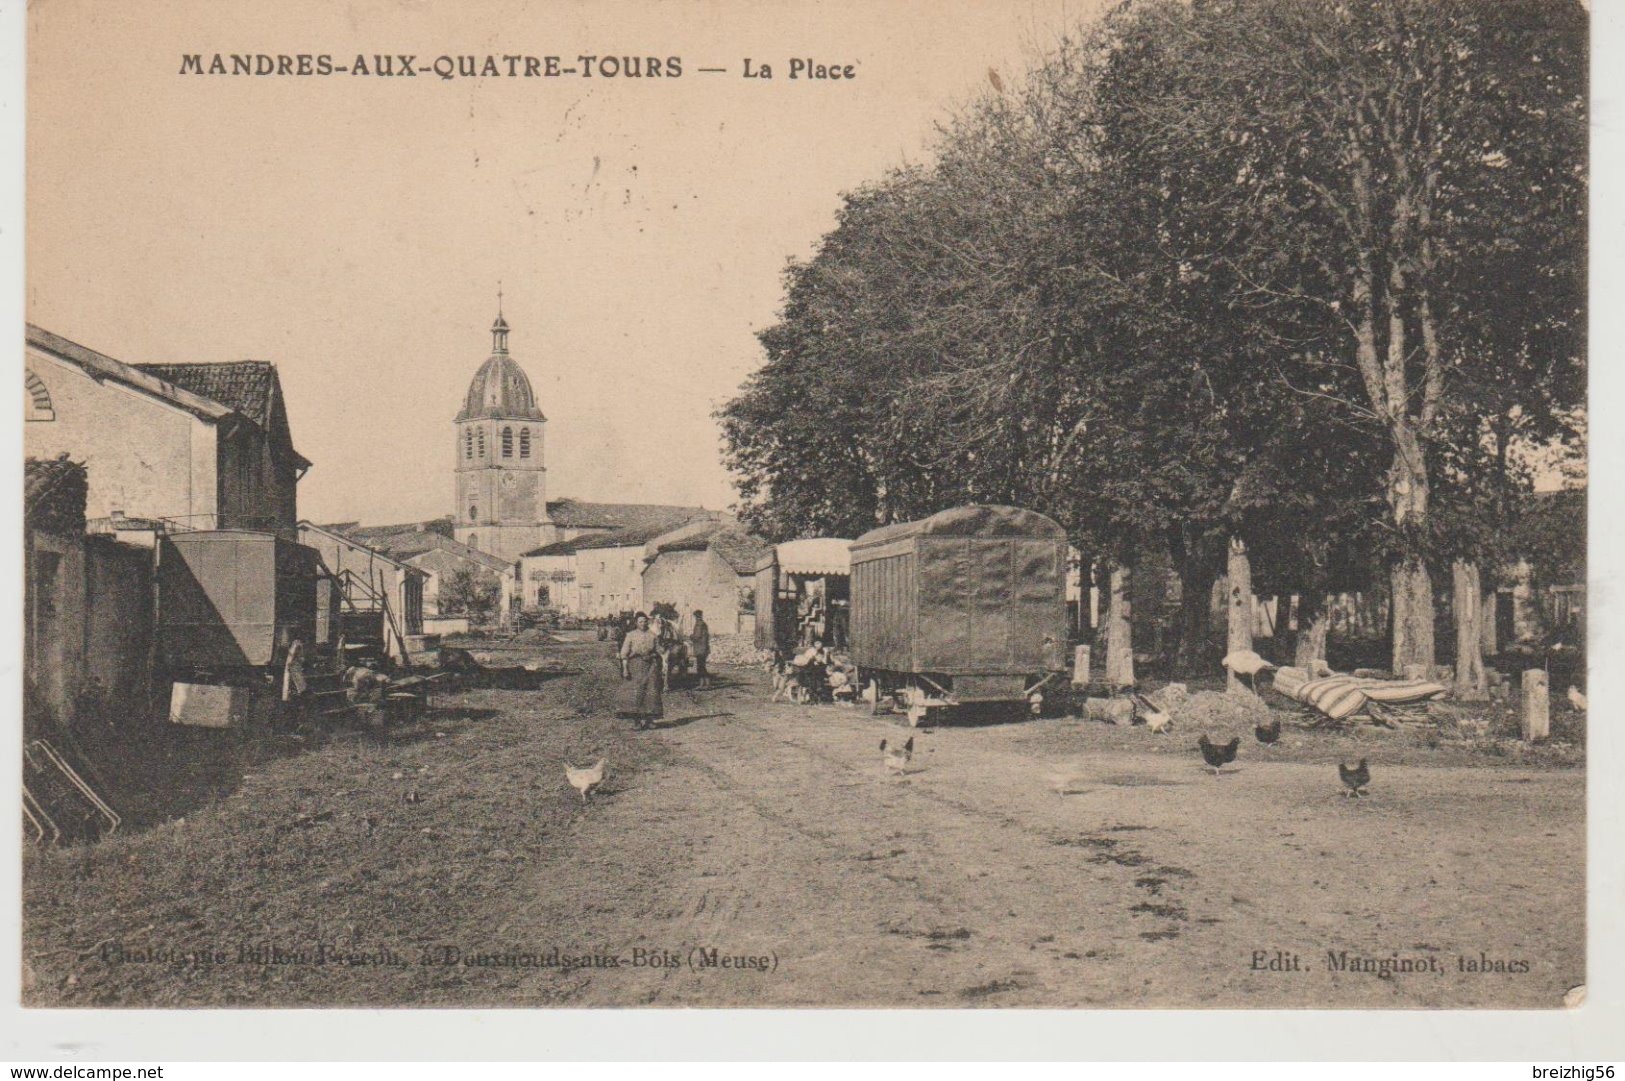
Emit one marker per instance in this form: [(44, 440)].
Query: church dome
[(500, 390)]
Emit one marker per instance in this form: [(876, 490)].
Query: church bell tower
[(501, 472)]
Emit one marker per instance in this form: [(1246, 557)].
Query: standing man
[(699, 644)]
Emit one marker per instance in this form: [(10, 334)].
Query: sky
[(354, 229)]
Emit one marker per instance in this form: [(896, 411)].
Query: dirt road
[(756, 854)]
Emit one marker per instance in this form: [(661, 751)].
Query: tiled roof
[(558, 548), (357, 542), (441, 525), (575, 514), (627, 538), (737, 548), (248, 386), (410, 541), (54, 494)]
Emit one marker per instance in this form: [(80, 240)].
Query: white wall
[(144, 457)]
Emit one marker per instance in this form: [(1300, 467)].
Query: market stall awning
[(816, 555)]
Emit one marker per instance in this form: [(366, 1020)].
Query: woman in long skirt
[(640, 663)]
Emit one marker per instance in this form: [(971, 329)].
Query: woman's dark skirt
[(641, 695)]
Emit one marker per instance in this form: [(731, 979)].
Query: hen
[(1268, 734), (897, 758), (1244, 662), (1216, 755), (584, 780), (1577, 699), (1355, 779), (1156, 720)]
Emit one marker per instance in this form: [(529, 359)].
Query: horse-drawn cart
[(966, 606)]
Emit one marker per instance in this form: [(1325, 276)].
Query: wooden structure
[(968, 605), (804, 587), (231, 600)]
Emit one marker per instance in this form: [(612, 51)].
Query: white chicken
[(584, 780), (1577, 699), (1244, 662), (1156, 720), (897, 758)]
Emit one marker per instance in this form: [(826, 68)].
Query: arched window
[(39, 399), (507, 442), (468, 443), (524, 442), (482, 442), (473, 514)]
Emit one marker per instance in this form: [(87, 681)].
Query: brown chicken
[(1355, 779), (1268, 734), (1216, 755)]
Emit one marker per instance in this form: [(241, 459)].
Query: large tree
[(1377, 188)]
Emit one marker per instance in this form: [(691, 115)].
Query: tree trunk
[(1467, 597), (1119, 631), (1196, 579), (1314, 621), (1239, 605), (1412, 614), (1488, 643)]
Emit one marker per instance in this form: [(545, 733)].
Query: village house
[(609, 568), (427, 547), (372, 581), (570, 519), (192, 446), (711, 568), (547, 577)]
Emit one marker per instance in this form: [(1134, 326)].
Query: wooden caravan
[(231, 600), (968, 605)]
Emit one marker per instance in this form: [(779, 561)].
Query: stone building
[(197, 446), (609, 568), (430, 550), (87, 606), (712, 569), (373, 579), (549, 576)]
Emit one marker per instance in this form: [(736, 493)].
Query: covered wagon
[(966, 606), (231, 602)]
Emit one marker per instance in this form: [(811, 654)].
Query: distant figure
[(843, 678), (640, 663), (811, 672), (699, 644), (363, 684), (294, 684)]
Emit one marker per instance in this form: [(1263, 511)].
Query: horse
[(663, 620)]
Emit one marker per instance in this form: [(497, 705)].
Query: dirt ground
[(755, 854)]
